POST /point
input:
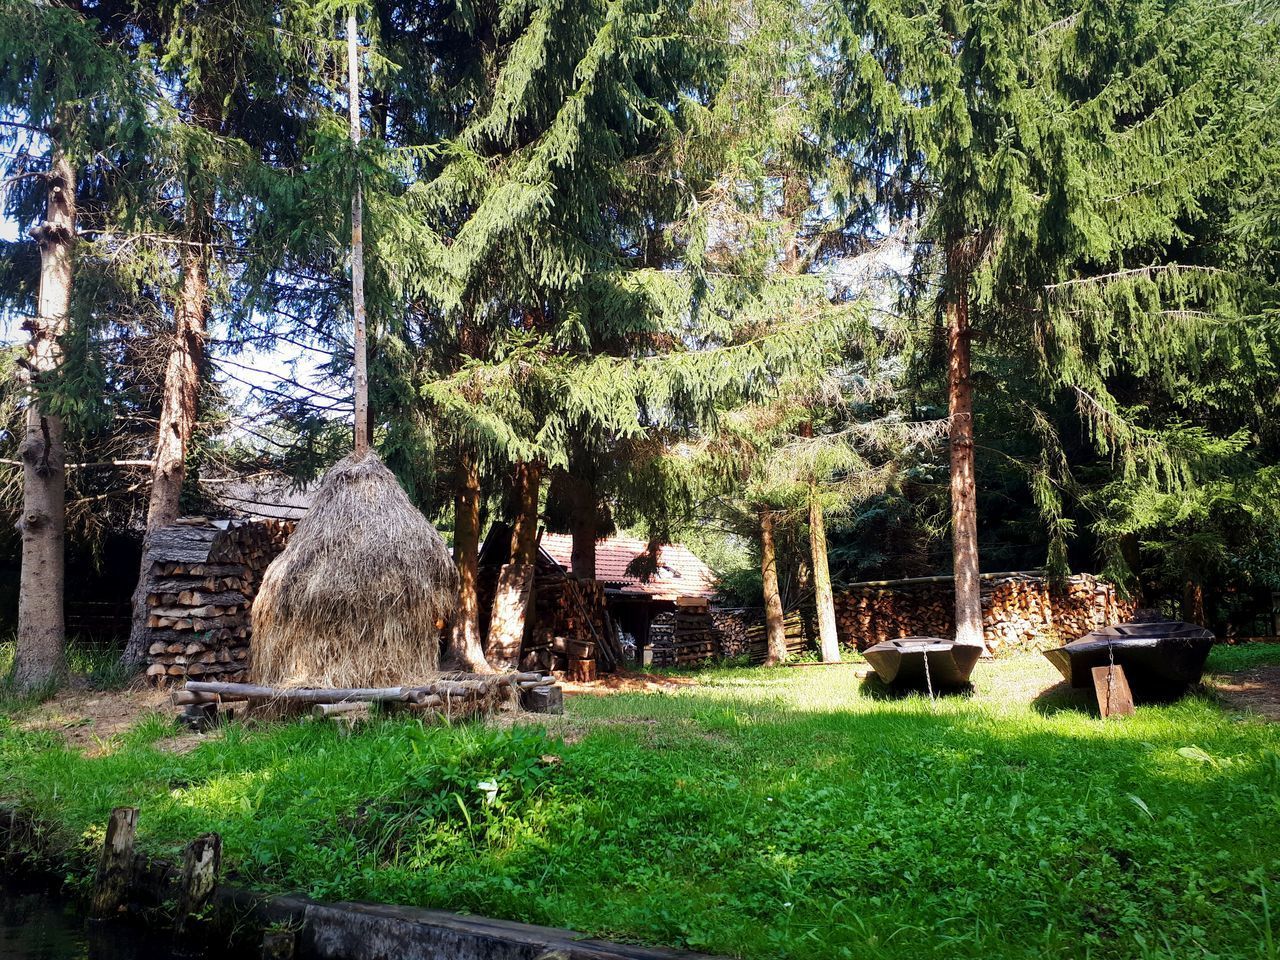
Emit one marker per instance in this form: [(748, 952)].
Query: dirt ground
[(1256, 689), (627, 682), (88, 719)]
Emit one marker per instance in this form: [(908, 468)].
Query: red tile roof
[(680, 573)]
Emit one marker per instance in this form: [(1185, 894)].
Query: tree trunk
[(584, 524), (1193, 606), (467, 644), (524, 526), (828, 642), (964, 501), (177, 415), (773, 616), (583, 557), (41, 626)]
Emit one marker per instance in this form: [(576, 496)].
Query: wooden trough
[(1160, 658), (923, 663)]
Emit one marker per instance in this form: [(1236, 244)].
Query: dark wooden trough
[(902, 663), (1160, 658)]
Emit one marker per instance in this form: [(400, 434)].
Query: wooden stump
[(115, 865), (200, 863), (582, 670), (543, 699)]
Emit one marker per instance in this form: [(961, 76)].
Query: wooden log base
[(582, 671)]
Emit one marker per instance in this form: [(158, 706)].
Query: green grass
[(791, 813)]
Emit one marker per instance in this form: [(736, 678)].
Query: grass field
[(792, 813)]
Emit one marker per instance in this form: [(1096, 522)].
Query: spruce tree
[(1053, 153), (69, 98)]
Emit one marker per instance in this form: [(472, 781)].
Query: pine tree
[(230, 110)]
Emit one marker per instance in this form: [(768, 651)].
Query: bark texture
[(1193, 605), (828, 641), (467, 645), (584, 526), (41, 627), (178, 409), (583, 556), (964, 502), (775, 628), (524, 525)]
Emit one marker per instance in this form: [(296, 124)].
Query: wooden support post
[(199, 717), (200, 863), (1112, 689), (115, 864), (278, 945)]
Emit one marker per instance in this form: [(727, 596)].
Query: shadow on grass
[(1063, 698), (751, 827), (874, 688)]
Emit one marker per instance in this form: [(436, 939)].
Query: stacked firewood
[(692, 638), (202, 579), (743, 633), (563, 637), (1020, 611)]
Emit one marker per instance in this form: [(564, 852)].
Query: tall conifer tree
[(1055, 152), (71, 96)]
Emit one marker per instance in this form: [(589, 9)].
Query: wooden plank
[(1112, 689)]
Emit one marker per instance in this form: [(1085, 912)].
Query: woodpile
[(743, 633), (571, 632), (201, 581), (685, 637), (1020, 611)]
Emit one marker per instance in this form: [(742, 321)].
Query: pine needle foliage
[(1086, 167)]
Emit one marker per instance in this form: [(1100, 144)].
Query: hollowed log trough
[(902, 663), (1161, 658)]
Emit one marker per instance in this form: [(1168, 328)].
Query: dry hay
[(355, 597)]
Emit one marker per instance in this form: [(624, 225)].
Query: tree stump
[(582, 670), (111, 884), (200, 863)]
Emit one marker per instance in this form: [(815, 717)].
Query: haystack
[(354, 599)]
